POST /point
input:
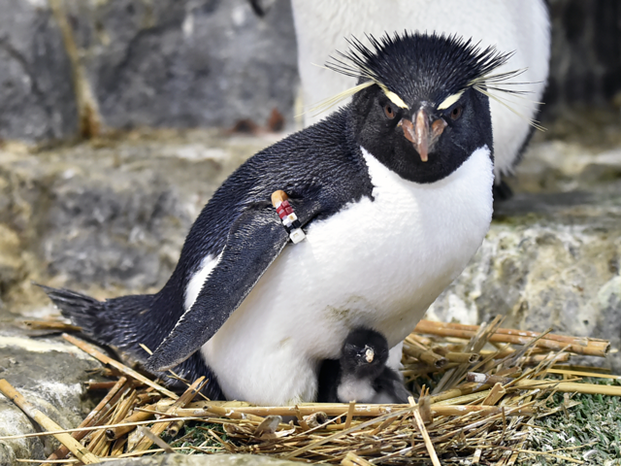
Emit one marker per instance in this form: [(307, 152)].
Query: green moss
[(589, 432)]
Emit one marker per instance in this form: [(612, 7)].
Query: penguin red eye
[(456, 112), (389, 112)]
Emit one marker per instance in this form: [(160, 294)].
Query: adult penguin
[(394, 192)]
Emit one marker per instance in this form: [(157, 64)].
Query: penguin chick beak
[(421, 135), (369, 355)]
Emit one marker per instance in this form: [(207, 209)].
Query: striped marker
[(287, 216)]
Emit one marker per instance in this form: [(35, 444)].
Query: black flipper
[(255, 240)]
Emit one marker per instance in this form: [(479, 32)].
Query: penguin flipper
[(254, 242)]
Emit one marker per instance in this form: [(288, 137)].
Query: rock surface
[(108, 213), (50, 374), (185, 63), (552, 256), (75, 67), (586, 55), (37, 100)]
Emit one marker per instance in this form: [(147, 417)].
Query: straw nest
[(479, 388)]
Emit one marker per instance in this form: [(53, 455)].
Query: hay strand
[(577, 345), (492, 383), (94, 352), (91, 419)]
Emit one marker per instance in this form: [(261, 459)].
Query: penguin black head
[(421, 105), (364, 353)]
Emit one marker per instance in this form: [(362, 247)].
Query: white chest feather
[(356, 389), (378, 263)]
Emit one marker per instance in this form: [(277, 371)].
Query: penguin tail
[(118, 322), (125, 323)]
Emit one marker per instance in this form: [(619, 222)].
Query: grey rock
[(11, 264), (49, 374), (586, 55), (186, 63), (551, 259), (203, 460), (37, 100), (109, 214)]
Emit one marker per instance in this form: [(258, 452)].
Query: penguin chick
[(361, 373), (322, 26), (394, 192)]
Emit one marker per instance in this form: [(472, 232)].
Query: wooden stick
[(495, 394), (577, 345), (426, 355), (31, 411), (571, 387), (51, 325), (117, 432), (183, 400), (98, 427), (99, 444), (156, 439), (101, 385), (117, 447), (90, 349), (350, 414), (351, 459), (583, 341), (175, 427), (423, 430), (321, 441), (583, 374), (538, 358), (102, 442), (360, 410), (62, 452), (463, 357)]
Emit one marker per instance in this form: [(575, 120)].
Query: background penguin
[(322, 27), (395, 194), (361, 373)]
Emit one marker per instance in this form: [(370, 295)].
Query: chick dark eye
[(389, 112), (456, 112)]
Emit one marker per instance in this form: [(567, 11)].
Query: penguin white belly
[(377, 263)]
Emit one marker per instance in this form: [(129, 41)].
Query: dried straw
[(489, 391)]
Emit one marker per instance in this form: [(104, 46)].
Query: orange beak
[(421, 135)]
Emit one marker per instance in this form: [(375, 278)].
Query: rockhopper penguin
[(394, 192), (522, 26), (361, 373)]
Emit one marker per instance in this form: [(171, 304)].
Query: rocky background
[(119, 118)]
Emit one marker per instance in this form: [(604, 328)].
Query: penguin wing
[(255, 240)]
